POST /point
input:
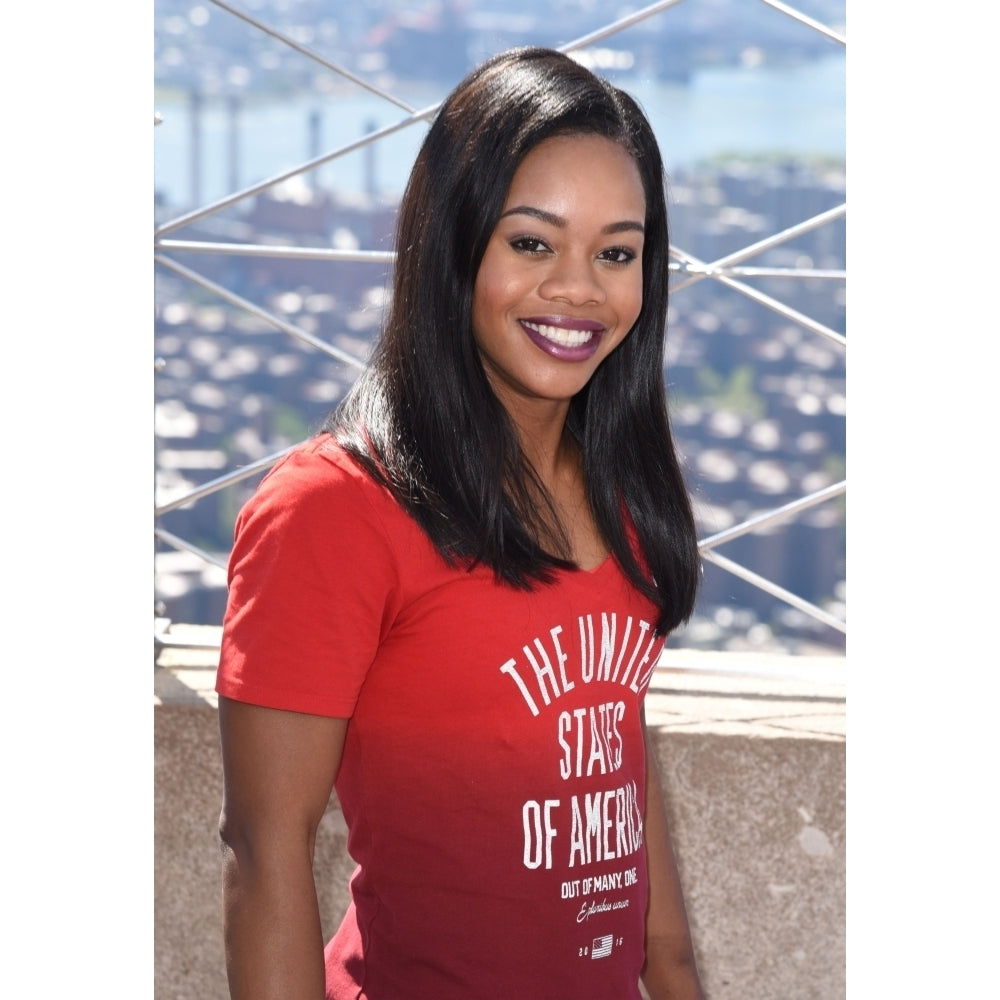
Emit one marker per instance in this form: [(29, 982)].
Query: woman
[(449, 604)]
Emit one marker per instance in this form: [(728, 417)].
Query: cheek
[(482, 307), (492, 296), (632, 303)]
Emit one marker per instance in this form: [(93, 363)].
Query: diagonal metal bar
[(421, 115), (825, 274), (765, 300), (620, 25), (241, 303), (782, 310), (162, 639), (783, 513), (184, 546), (270, 250), (797, 15), (768, 243), (221, 482), (232, 199), (291, 43), (775, 591)]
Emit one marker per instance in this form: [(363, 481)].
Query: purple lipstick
[(564, 337)]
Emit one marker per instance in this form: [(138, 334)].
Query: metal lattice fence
[(262, 327)]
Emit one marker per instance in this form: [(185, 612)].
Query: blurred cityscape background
[(749, 107)]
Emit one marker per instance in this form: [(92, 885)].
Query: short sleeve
[(312, 587)]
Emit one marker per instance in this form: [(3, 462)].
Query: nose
[(573, 279)]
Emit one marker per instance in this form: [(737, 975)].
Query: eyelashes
[(529, 245), (535, 246), (618, 255)]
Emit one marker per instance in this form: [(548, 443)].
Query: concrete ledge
[(751, 751)]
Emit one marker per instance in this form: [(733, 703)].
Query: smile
[(567, 339), (560, 335)]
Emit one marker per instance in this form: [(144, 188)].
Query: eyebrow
[(626, 225)]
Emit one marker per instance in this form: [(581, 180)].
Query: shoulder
[(314, 520), (316, 507), (317, 467), (318, 480)]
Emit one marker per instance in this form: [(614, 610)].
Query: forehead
[(575, 169)]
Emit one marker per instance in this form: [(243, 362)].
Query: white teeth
[(558, 335)]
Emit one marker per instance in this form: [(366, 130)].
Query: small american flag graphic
[(602, 946)]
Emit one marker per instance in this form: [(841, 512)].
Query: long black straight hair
[(423, 419)]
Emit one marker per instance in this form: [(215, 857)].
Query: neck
[(542, 434), (551, 450)]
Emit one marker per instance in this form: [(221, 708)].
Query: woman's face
[(560, 284)]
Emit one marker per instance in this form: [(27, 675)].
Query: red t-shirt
[(493, 771)]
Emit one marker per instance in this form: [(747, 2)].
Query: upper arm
[(278, 770)]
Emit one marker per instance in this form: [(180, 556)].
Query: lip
[(532, 325)]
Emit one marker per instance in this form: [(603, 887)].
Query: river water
[(798, 110)]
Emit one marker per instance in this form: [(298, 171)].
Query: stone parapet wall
[(753, 769)]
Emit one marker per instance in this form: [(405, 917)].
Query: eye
[(529, 244), (617, 255)]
